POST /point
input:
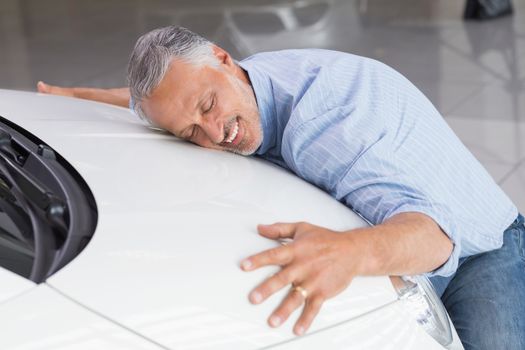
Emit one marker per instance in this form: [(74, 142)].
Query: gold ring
[(285, 241), (300, 290)]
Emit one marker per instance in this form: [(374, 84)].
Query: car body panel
[(42, 319), (369, 332), (174, 222), (12, 285)]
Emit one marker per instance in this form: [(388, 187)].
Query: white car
[(118, 236)]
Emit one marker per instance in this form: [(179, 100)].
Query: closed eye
[(211, 104)]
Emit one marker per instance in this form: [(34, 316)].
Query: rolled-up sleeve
[(383, 190)]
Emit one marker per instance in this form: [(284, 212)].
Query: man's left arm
[(321, 263)]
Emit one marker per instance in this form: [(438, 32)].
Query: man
[(363, 133)]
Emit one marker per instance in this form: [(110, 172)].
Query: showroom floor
[(473, 72)]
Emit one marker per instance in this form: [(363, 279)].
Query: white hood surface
[(174, 221)]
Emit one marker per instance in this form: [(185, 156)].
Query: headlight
[(426, 307)]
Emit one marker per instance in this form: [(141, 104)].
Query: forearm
[(406, 244), (118, 96)]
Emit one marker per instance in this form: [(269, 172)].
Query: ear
[(223, 57)]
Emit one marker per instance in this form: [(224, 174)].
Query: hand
[(319, 261), (54, 90)]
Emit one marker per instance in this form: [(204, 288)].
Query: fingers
[(276, 256), (54, 90), (310, 310), (293, 301), (272, 285), (42, 87), (308, 262), (278, 230)]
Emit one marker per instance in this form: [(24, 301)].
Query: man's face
[(213, 107)]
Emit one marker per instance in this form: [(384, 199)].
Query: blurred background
[(474, 72)]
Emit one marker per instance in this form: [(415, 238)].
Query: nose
[(213, 128)]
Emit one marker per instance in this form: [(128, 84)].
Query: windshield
[(47, 212)]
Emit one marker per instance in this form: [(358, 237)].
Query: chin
[(242, 152), (246, 147)]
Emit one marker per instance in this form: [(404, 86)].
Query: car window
[(47, 212)]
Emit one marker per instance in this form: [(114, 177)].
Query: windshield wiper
[(40, 196), (46, 212), (40, 187)]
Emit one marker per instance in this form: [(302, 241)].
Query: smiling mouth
[(233, 131)]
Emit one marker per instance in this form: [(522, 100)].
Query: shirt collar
[(263, 89)]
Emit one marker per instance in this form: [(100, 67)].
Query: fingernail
[(256, 297), (299, 331), (275, 321), (246, 264)]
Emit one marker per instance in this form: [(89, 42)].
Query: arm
[(324, 262), (405, 244), (119, 96)]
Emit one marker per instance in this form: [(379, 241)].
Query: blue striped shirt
[(362, 132)]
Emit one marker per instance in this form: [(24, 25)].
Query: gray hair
[(152, 55)]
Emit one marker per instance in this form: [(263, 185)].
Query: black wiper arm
[(38, 195), (59, 207), (6, 147), (41, 244), (46, 212)]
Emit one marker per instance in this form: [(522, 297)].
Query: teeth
[(233, 133)]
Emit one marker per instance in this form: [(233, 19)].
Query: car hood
[(174, 221)]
